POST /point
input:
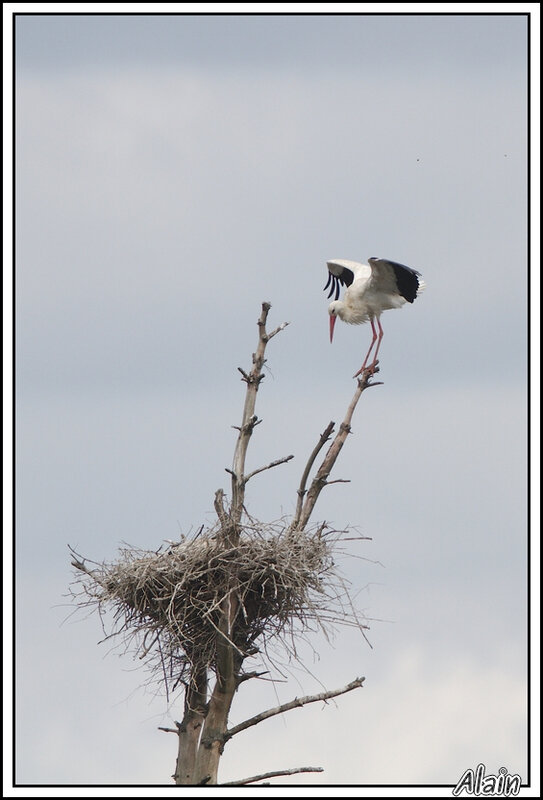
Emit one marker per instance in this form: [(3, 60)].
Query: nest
[(167, 604)]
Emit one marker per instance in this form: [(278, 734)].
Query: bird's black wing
[(341, 276), (407, 279)]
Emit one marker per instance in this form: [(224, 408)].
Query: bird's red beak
[(332, 323)]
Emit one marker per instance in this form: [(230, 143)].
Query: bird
[(371, 289)]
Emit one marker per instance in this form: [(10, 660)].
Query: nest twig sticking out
[(166, 604)]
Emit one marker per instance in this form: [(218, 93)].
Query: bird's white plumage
[(371, 289)]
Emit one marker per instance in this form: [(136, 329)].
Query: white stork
[(371, 289)]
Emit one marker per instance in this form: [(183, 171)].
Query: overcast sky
[(172, 173)]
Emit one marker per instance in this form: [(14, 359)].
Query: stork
[(371, 289)]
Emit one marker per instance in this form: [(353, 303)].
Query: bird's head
[(334, 310)]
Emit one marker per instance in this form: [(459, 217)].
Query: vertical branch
[(249, 420)]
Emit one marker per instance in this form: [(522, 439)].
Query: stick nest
[(166, 604)]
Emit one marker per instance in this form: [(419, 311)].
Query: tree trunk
[(190, 729), (212, 741), (228, 665)]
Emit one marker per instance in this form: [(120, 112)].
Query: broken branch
[(219, 507)]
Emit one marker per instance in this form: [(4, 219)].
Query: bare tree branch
[(279, 328), (249, 420), (248, 675), (79, 562), (268, 466), (219, 507), (321, 478), (264, 775), (298, 702), (325, 436)]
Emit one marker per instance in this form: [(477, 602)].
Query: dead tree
[(195, 610)]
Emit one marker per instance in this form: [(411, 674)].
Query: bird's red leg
[(363, 367), (378, 345)]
